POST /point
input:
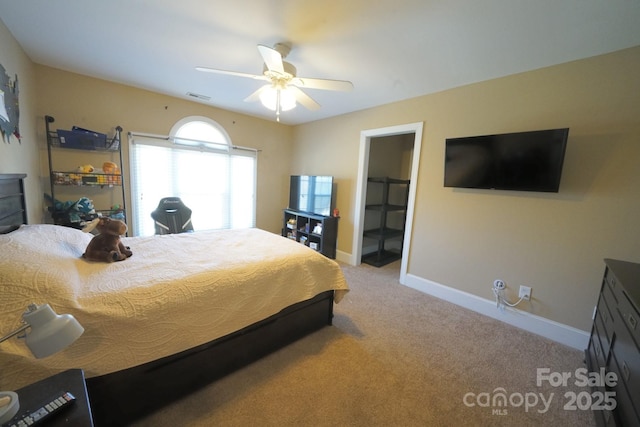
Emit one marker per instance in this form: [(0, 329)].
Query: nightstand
[(34, 396)]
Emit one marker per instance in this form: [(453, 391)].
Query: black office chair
[(172, 216)]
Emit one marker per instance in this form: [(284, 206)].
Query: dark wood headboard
[(13, 206)]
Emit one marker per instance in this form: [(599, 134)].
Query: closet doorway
[(392, 152)]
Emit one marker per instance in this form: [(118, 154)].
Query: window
[(197, 163)]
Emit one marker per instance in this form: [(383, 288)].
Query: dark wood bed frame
[(124, 396), (13, 208)]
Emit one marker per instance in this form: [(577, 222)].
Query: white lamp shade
[(50, 332), (269, 98), (9, 405)]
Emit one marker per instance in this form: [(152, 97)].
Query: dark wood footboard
[(125, 396)]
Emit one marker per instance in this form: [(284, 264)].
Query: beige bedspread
[(175, 292)]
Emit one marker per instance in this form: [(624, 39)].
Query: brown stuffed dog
[(107, 246)]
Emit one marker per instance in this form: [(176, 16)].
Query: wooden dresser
[(615, 342)]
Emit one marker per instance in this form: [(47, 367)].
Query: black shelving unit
[(384, 233), (78, 183), (318, 232)]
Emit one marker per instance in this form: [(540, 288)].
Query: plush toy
[(107, 246), (85, 169), (85, 206), (116, 212), (112, 171), (111, 168)]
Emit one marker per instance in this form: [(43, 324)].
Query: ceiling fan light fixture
[(269, 98), (285, 89)]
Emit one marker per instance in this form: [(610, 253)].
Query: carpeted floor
[(394, 357)]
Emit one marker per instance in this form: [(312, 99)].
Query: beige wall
[(554, 243), (100, 105), (16, 157)]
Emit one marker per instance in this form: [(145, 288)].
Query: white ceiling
[(390, 49)]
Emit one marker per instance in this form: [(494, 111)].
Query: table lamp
[(49, 333)]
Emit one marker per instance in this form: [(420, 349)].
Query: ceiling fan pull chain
[(278, 105)]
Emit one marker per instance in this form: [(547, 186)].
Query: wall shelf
[(92, 148)]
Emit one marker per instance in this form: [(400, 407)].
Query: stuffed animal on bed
[(107, 246)]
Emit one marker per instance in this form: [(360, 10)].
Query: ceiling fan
[(284, 88)]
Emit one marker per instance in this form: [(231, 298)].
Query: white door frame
[(361, 189)]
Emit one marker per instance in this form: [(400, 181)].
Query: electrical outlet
[(499, 284), (525, 293)]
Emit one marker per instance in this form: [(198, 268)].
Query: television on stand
[(311, 194), (521, 161)]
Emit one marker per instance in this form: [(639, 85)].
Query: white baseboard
[(555, 331), (347, 258)]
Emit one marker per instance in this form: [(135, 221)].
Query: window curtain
[(219, 186)]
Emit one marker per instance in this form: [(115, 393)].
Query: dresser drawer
[(606, 306), (612, 282), (630, 316), (626, 353), (595, 351), (601, 360), (605, 340), (626, 413), (591, 359)]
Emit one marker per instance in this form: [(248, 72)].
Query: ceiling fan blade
[(272, 58), (231, 73), (255, 96), (324, 84), (304, 99)]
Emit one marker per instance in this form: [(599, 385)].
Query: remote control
[(47, 410)]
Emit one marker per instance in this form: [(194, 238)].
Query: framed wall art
[(9, 111)]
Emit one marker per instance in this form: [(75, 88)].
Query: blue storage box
[(82, 139)]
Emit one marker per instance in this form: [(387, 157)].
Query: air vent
[(196, 95)]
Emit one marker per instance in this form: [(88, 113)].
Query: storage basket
[(82, 139)]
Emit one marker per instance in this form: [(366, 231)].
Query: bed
[(184, 310)]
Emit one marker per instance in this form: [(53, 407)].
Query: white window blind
[(218, 185)]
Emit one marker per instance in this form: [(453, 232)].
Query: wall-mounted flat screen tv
[(521, 161), (311, 194)]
